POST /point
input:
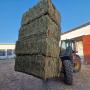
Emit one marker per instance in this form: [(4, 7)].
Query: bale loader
[(37, 47), (71, 62)]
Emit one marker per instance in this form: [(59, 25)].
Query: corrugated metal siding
[(86, 48)]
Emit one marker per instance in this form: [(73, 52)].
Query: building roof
[(86, 24), (7, 43)]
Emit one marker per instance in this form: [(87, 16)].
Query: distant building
[(81, 35), (7, 51)]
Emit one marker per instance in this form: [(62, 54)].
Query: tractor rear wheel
[(77, 64), (68, 72)]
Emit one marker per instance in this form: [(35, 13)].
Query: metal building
[(81, 35), (7, 51)]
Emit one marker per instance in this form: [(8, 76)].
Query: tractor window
[(73, 47), (63, 48), (63, 45), (66, 47)]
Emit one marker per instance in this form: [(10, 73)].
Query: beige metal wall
[(7, 46), (77, 33), (79, 48), (7, 51)]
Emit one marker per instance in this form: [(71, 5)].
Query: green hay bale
[(38, 65), (42, 26), (42, 8), (43, 46)]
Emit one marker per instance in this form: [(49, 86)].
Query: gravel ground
[(11, 80)]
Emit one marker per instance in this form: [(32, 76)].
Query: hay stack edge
[(37, 48)]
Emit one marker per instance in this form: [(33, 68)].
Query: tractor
[(71, 61)]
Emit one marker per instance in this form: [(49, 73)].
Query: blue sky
[(73, 13)]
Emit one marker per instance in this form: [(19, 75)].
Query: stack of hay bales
[(37, 48)]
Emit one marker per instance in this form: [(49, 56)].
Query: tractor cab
[(68, 52), (67, 48), (71, 62)]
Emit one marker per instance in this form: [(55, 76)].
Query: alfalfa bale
[(43, 46), (29, 65), (37, 65), (37, 48), (42, 8), (41, 26)]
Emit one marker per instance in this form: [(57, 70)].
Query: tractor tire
[(68, 72), (77, 65)]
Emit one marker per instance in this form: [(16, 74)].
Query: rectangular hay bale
[(43, 46), (38, 65), (42, 8), (42, 26)]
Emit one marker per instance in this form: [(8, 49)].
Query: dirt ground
[(11, 80)]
